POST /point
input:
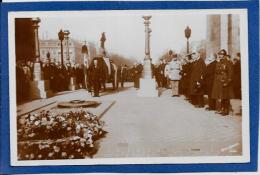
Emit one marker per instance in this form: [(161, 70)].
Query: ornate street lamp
[(61, 38), (187, 35)]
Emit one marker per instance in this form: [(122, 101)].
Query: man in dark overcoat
[(122, 75), (208, 79), (161, 78), (237, 77), (222, 86), (95, 76), (184, 78), (188, 71), (196, 78)]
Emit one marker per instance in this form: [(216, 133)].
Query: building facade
[(53, 47)]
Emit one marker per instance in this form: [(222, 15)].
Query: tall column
[(147, 83), (224, 34), (147, 72), (38, 88), (213, 34), (37, 65)]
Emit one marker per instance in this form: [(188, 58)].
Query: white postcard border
[(151, 160)]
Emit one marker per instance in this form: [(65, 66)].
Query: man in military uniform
[(222, 86), (174, 75)]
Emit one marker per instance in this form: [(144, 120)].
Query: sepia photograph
[(128, 87)]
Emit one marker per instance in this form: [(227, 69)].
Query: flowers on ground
[(50, 135)]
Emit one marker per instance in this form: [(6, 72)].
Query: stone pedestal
[(147, 88), (40, 89), (73, 86)]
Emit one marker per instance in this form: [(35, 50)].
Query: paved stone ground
[(166, 126), (157, 127)]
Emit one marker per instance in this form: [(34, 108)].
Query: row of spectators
[(218, 77)]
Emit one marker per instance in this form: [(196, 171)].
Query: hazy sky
[(125, 31)]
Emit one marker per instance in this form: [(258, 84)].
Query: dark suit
[(237, 80), (137, 75), (95, 75), (195, 89), (122, 75), (208, 79)]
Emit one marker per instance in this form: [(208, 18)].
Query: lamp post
[(61, 38), (37, 65), (147, 73), (84, 51), (147, 82), (66, 36), (187, 32)]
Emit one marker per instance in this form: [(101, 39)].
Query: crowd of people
[(218, 77), (57, 74), (92, 77)]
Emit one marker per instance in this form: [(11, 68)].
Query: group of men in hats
[(217, 77)]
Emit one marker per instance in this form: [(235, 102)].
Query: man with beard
[(222, 87), (196, 78), (208, 79)]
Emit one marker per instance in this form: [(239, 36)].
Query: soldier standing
[(174, 75), (222, 87)]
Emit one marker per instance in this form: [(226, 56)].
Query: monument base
[(40, 89), (73, 86), (147, 88)]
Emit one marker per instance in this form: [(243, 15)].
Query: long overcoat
[(208, 77), (237, 79), (222, 85), (196, 77)]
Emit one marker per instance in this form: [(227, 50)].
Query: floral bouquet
[(49, 135)]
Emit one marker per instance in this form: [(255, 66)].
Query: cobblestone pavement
[(166, 126), (160, 126)]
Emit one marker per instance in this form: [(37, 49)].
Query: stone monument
[(147, 82), (38, 88)]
